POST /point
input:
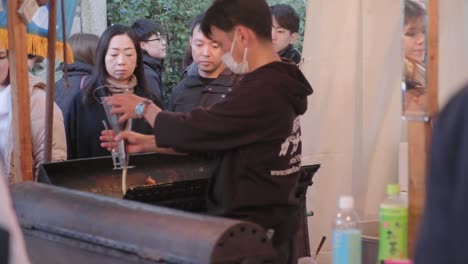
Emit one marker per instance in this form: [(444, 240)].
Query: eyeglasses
[(161, 40)]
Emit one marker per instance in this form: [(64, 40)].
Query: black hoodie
[(257, 131)]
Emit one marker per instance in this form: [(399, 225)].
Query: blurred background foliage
[(175, 16)]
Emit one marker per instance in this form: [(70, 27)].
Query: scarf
[(118, 88)]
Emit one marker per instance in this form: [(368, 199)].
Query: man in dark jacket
[(285, 31), (153, 43), (206, 80), (255, 130), (443, 234)]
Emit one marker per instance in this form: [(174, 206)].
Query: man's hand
[(136, 143), (125, 104)]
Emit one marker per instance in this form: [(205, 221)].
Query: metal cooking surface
[(96, 175)]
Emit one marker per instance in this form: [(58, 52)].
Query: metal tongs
[(119, 154)]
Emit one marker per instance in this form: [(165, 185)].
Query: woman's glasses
[(160, 40)]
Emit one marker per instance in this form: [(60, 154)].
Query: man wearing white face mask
[(255, 130)]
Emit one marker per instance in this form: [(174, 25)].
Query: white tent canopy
[(353, 59)]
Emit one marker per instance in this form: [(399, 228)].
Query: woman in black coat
[(119, 68)]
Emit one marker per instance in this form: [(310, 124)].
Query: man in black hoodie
[(255, 130)]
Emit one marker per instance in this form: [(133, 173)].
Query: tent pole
[(419, 134), (20, 94)]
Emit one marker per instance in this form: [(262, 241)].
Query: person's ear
[(190, 41), (143, 45), (243, 35), (293, 38)]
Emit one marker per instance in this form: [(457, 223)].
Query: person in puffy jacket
[(37, 104)]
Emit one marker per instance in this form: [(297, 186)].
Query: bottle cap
[(393, 189), (346, 202), (398, 261)]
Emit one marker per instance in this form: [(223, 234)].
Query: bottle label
[(393, 242), (347, 246)]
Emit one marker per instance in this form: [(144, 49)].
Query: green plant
[(175, 16)]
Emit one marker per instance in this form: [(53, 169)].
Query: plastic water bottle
[(393, 242), (346, 234)]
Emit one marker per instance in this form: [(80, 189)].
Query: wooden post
[(418, 138), (20, 94), (419, 134), (49, 120)]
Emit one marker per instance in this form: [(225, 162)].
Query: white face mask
[(237, 68)]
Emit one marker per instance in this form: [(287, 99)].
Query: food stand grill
[(67, 226), (181, 183)]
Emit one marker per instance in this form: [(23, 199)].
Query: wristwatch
[(141, 107)]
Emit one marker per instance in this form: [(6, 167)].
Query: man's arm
[(136, 142), (151, 113), (125, 104)]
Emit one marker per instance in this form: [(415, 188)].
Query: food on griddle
[(150, 181)]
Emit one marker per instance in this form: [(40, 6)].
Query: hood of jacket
[(294, 85), (78, 68)]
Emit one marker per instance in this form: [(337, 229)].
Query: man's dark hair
[(286, 17), (195, 22), (144, 28), (226, 14), (188, 50), (413, 11)]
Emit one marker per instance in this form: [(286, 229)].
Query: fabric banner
[(37, 29)]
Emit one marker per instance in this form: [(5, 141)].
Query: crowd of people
[(130, 59), (240, 96)]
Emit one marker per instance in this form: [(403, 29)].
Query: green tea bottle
[(393, 242)]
